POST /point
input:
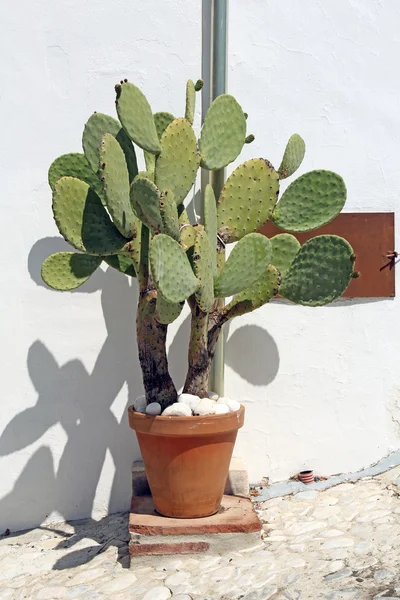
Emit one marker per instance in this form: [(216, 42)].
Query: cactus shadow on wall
[(80, 403)]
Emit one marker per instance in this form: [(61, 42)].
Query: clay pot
[(306, 476), (186, 460)]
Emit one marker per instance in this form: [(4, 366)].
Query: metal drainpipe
[(215, 34)]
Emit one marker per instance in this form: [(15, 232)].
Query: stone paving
[(338, 544)]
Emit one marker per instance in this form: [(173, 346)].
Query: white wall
[(321, 386)]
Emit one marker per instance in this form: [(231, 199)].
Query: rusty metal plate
[(372, 237)]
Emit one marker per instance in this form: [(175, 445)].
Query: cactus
[(137, 224)]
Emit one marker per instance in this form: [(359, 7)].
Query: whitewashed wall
[(321, 387)]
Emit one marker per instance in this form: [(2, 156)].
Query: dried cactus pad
[(145, 199), (178, 162), (135, 114), (223, 133), (74, 165), (115, 178), (246, 263), (261, 292), (171, 270), (293, 156), (247, 199), (312, 200), (284, 249), (202, 261), (67, 270), (161, 121), (320, 272), (211, 221), (121, 263), (82, 219), (95, 128), (167, 312)]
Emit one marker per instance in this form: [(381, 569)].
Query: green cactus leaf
[(95, 128), (244, 266), (74, 165), (247, 199), (320, 272), (202, 263), (169, 214), (67, 270), (171, 270), (145, 199), (150, 161), (258, 294), (82, 219), (136, 117), (179, 161), (311, 201), (211, 222), (190, 101), (122, 263), (161, 121), (293, 156), (186, 230), (115, 178), (284, 249), (223, 133), (166, 312)]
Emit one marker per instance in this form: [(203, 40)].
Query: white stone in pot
[(233, 405), (190, 399), (153, 409), (221, 409), (213, 396), (140, 404), (205, 407), (179, 409)]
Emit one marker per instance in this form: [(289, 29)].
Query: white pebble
[(190, 399), (233, 405), (205, 407), (153, 409), (179, 409), (213, 396), (140, 404), (221, 409)]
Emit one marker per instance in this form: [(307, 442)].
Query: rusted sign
[(372, 237)]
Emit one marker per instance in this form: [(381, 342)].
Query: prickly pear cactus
[(137, 223)]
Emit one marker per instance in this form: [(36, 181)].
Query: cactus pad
[(312, 200), (95, 128), (169, 214), (67, 270), (223, 133), (178, 162), (150, 161), (186, 230), (261, 292), (121, 263), (145, 199), (247, 199), (82, 219), (202, 261), (293, 156), (171, 270), (284, 249), (190, 101), (245, 265), (74, 165), (135, 114), (320, 272), (115, 178), (211, 221), (161, 121), (167, 312)]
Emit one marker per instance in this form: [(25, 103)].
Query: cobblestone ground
[(340, 544)]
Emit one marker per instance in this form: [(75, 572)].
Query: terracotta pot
[(306, 476), (187, 460)]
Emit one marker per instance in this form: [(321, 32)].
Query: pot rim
[(185, 426)]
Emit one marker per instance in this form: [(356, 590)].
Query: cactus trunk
[(151, 337), (199, 358)]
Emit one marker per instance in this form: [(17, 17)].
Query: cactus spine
[(137, 224)]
